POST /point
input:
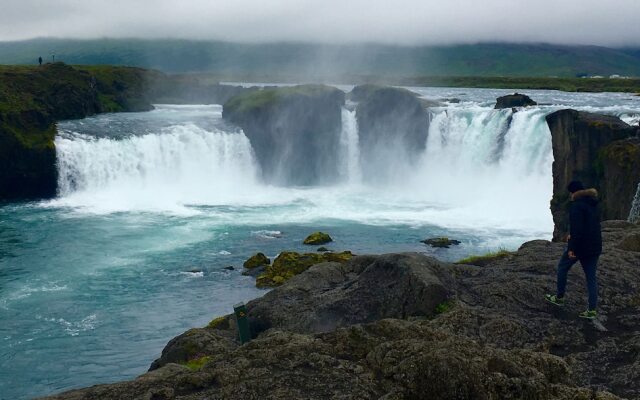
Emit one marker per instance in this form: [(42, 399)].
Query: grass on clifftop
[(253, 100), (486, 258)]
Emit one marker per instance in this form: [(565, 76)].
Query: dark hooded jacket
[(584, 224)]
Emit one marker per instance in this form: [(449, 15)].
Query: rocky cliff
[(32, 99), (594, 149), (294, 131), (407, 326), (393, 125)]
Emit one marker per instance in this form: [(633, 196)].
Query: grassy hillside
[(331, 61)]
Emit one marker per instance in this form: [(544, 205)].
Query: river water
[(153, 206)]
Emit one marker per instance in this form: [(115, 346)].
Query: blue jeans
[(589, 266)]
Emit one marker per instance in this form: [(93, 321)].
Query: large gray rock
[(294, 131), (586, 147), (366, 289)]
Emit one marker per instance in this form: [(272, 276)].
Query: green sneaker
[(589, 314), (555, 300)]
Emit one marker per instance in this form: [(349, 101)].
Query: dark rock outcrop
[(441, 242), (590, 147), (513, 101), (294, 131), (376, 328), (392, 125)]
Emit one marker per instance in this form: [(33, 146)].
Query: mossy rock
[(317, 238), (256, 260), (219, 323), (441, 242), (290, 263)]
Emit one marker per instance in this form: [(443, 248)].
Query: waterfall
[(350, 157), (492, 166), (183, 164), (634, 214)]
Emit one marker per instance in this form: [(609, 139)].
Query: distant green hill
[(315, 60)]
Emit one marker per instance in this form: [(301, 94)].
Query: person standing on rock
[(584, 245)]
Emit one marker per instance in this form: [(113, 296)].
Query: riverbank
[(401, 325)]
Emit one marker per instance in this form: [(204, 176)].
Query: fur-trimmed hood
[(590, 195)]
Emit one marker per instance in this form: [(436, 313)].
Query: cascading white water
[(634, 214), (494, 165), (183, 164), (350, 169), (480, 166)]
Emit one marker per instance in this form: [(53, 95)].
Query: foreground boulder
[(392, 125), (294, 131), (513, 101), (600, 151), (377, 327)]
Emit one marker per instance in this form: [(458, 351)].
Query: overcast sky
[(601, 22)]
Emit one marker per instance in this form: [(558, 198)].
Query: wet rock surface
[(375, 328)]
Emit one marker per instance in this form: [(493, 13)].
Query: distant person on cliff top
[(584, 245), (40, 60)]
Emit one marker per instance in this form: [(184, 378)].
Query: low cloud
[(408, 22)]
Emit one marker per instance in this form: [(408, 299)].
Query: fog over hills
[(332, 60)]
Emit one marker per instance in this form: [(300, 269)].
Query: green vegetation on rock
[(256, 260), (445, 306), (291, 263), (486, 259), (252, 101), (218, 322), (197, 364), (317, 238)]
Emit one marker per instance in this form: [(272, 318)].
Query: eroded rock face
[(294, 131), (586, 147), (368, 329), (393, 125), (513, 101)]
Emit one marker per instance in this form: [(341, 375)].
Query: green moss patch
[(486, 259), (290, 263), (445, 306), (197, 364)]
